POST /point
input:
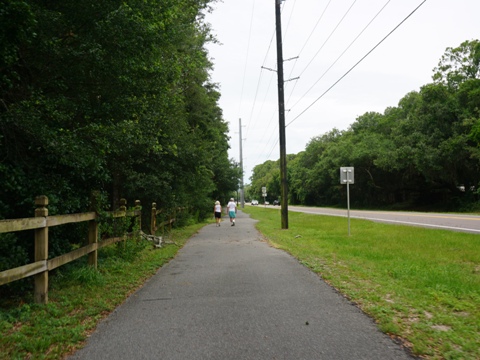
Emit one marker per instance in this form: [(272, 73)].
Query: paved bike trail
[(229, 295)]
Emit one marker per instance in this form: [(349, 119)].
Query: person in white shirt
[(217, 212), (232, 211)]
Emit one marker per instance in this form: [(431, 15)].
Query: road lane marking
[(419, 224), (337, 213), (334, 211)]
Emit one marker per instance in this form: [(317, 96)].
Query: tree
[(313, 171), (421, 152), (114, 97), (459, 64), (266, 175)]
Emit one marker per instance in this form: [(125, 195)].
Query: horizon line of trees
[(113, 97), (422, 154)]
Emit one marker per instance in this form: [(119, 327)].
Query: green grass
[(420, 285), (79, 297)]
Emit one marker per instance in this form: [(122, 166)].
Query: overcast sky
[(329, 37)]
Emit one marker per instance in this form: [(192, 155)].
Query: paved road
[(229, 295), (455, 222)]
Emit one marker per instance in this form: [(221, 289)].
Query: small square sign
[(347, 175)]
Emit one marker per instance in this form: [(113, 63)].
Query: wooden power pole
[(281, 118)]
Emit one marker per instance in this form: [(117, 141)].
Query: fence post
[(153, 222), (123, 204), (123, 208), (93, 231), (41, 251), (138, 207)]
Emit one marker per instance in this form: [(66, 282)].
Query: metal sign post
[(264, 194), (347, 177)]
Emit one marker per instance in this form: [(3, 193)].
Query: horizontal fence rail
[(42, 222), (171, 218)]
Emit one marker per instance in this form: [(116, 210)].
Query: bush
[(11, 254)]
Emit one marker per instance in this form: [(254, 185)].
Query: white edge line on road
[(420, 224), (397, 222)]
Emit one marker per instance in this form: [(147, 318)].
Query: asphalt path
[(455, 222), (229, 295)]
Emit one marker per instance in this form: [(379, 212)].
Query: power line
[(306, 42), (313, 30), (272, 148), (343, 53), (258, 83), (328, 38), (354, 66), (246, 56), (378, 13), (289, 19), (324, 43)]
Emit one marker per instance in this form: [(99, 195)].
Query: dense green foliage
[(108, 96), (422, 153)]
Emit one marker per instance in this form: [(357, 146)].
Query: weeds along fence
[(42, 222)]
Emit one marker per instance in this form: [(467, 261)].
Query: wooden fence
[(42, 222), (171, 218)]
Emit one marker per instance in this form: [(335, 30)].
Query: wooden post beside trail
[(170, 219), (123, 208), (41, 251), (138, 207), (92, 239), (123, 204), (153, 222), (93, 232)]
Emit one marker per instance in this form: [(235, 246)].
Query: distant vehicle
[(254, 202), (267, 203), (276, 202)]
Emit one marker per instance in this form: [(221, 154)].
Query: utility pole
[(281, 119), (242, 197)]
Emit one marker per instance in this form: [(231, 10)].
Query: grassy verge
[(79, 298), (420, 285)]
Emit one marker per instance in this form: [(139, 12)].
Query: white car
[(254, 202)]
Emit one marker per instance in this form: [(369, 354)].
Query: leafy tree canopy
[(422, 153), (109, 96)]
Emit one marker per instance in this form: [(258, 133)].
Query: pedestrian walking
[(232, 211), (217, 212)]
